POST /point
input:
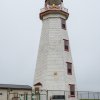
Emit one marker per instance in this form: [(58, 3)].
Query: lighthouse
[(54, 68)]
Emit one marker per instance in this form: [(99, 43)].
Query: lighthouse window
[(72, 90), (69, 68), (63, 24), (66, 45)]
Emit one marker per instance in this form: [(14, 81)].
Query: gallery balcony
[(54, 9)]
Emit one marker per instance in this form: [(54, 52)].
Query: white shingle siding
[(51, 56)]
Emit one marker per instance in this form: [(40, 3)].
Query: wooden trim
[(38, 84), (72, 95), (54, 12)]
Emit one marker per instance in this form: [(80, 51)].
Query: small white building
[(15, 92)]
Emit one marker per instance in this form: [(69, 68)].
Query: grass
[(89, 99)]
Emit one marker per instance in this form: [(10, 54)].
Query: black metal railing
[(57, 95)]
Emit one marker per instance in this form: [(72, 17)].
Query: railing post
[(98, 95), (88, 94), (47, 94), (7, 94), (77, 94), (94, 95), (80, 96), (64, 95)]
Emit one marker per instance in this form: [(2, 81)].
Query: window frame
[(72, 92), (37, 90), (66, 44), (68, 72), (63, 22)]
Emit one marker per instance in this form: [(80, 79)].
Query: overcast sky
[(20, 30)]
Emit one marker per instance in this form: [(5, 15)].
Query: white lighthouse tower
[(54, 68)]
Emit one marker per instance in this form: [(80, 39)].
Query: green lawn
[(89, 99)]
